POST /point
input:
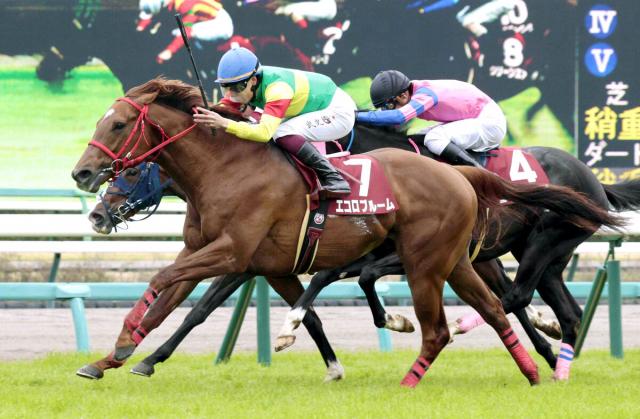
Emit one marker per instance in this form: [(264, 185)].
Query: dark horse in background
[(71, 33)]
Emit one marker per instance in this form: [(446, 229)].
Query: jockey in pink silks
[(469, 119)]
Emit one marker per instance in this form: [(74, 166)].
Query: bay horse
[(240, 222)]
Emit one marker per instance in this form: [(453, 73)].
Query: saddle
[(370, 194), (510, 163)]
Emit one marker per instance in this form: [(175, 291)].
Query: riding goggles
[(236, 87), (388, 104)]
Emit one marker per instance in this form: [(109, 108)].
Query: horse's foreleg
[(470, 288), (164, 305), (290, 289), (286, 337), (219, 290), (216, 258), (388, 265), (167, 302)]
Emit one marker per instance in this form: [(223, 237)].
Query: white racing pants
[(331, 123), (485, 132)]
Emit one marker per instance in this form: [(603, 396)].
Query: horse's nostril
[(96, 218), (81, 176)]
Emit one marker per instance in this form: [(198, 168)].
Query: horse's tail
[(624, 196), (572, 206)]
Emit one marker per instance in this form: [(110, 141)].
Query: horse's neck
[(198, 161)]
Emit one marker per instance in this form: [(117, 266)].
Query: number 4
[(520, 168)]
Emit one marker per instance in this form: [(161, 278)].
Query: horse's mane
[(174, 93), (179, 95)]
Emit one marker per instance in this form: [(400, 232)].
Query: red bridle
[(120, 163)]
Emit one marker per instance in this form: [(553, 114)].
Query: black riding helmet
[(386, 85)]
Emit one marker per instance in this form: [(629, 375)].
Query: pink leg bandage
[(418, 369), (469, 321), (133, 319), (563, 366), (526, 364), (138, 335)]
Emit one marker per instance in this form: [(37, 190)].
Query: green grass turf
[(460, 384), (44, 129)]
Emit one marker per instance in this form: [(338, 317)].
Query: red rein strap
[(120, 163)]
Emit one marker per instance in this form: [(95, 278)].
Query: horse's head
[(127, 135), (134, 190)]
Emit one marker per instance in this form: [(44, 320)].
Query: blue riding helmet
[(236, 65)]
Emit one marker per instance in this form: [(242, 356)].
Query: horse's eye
[(118, 125), (132, 172)]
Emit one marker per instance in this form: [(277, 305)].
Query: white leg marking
[(335, 372)]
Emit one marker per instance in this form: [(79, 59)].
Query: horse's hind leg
[(555, 293), (290, 289), (493, 274), (470, 288), (426, 291), (388, 265)]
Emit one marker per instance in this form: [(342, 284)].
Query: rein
[(123, 161)]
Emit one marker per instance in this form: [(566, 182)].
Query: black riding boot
[(457, 156), (333, 184)]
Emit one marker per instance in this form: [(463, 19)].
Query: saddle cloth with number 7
[(370, 189)]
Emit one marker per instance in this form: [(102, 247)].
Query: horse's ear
[(147, 98)]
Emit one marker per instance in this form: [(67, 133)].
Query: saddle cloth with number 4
[(516, 165)]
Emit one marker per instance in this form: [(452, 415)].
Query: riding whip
[(195, 69)]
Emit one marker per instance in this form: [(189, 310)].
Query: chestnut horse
[(246, 205), (142, 188)]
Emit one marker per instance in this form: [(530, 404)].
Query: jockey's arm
[(277, 97), (421, 101)]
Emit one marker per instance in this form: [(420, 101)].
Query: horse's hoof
[(143, 369), (551, 329), (90, 372), (283, 342), (561, 375), (335, 372), (124, 352), (399, 323)]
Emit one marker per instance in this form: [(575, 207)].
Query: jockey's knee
[(436, 140)]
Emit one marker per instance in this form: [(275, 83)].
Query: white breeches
[(485, 132), (331, 123)]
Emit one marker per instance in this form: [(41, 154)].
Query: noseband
[(123, 158), (145, 193)]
